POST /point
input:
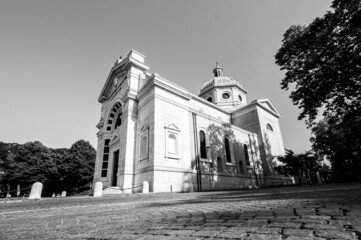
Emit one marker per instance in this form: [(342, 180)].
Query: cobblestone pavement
[(309, 212)]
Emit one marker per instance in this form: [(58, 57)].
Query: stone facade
[(156, 131)]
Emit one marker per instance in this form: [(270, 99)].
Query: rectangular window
[(172, 142), (245, 148), (143, 146), (105, 158)]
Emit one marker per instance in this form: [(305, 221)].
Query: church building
[(153, 130)]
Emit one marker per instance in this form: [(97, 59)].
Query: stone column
[(128, 154)]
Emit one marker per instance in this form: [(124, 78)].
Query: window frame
[(269, 128), (227, 149), (144, 134), (226, 93), (205, 145), (246, 155), (176, 132), (106, 154), (220, 167)]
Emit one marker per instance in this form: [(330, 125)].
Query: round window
[(225, 95), (209, 99), (240, 98)]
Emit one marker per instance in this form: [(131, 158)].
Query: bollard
[(53, 195), (171, 189), (36, 190), (63, 194), (98, 189), (145, 187)]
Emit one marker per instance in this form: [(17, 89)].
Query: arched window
[(269, 127), (241, 167), (219, 164), (172, 147), (119, 121), (203, 145), (114, 117), (172, 144), (228, 151), (245, 147)]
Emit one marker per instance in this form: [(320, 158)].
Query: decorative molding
[(172, 127)]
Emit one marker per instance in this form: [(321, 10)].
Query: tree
[(58, 169), (83, 157), (341, 144), (301, 166), (4, 148), (29, 163), (323, 63)]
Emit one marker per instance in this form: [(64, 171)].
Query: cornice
[(209, 104), (117, 69), (257, 103), (156, 80)]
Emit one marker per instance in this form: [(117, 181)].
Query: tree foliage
[(323, 63), (58, 169), (300, 166), (342, 145)]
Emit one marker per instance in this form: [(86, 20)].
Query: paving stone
[(148, 218), (158, 232), (181, 232), (254, 236), (285, 224), (206, 233), (319, 217), (192, 227), (310, 221), (214, 228), (298, 232), (322, 227), (335, 234), (303, 238), (235, 235)]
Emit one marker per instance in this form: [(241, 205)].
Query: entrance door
[(115, 168)]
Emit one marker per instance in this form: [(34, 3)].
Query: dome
[(219, 80)]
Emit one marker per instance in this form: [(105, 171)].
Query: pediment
[(114, 139), (115, 79), (116, 84), (268, 105), (144, 128), (172, 127)]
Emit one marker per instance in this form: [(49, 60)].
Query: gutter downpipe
[(198, 167)]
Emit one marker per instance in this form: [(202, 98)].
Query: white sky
[(56, 55)]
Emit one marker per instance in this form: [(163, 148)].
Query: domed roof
[(219, 80)]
